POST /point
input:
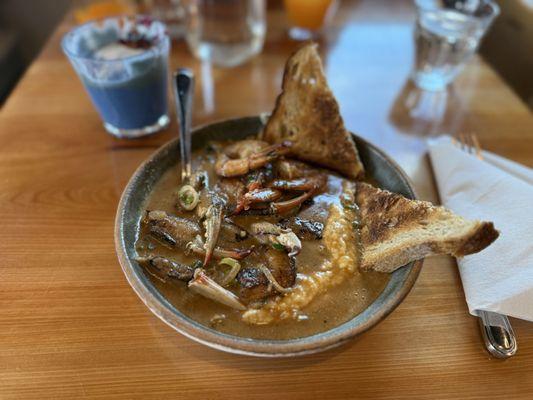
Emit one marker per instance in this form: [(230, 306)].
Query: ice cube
[(116, 51)]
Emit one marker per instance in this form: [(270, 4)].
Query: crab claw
[(284, 206), (311, 185), (212, 224), (197, 247), (256, 196), (207, 287)]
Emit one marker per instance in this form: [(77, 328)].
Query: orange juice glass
[(307, 16), (93, 10)]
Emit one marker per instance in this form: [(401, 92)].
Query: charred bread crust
[(395, 231), (314, 123), (482, 237)]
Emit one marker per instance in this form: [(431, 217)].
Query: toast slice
[(395, 230), (307, 114)]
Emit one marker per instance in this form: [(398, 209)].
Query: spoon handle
[(498, 334), (184, 94)]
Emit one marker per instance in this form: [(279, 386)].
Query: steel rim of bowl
[(322, 341)]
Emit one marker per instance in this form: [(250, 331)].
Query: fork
[(495, 328)]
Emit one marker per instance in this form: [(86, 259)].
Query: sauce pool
[(331, 308)]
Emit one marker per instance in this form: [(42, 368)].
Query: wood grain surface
[(71, 327)]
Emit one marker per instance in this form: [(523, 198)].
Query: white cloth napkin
[(499, 278)]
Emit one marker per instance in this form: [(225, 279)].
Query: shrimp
[(294, 176), (248, 155)]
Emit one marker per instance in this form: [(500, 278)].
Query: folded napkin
[(499, 278)]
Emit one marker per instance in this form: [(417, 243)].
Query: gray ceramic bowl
[(378, 165)]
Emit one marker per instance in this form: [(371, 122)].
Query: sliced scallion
[(188, 197), (235, 267)]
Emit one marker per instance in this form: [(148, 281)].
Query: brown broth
[(336, 306)]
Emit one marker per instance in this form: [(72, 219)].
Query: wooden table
[(71, 327)]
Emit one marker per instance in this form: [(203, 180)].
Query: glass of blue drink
[(123, 64)]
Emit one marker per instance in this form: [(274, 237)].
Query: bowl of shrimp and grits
[(257, 253)]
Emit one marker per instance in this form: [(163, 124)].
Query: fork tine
[(477, 146), (455, 142), (473, 149), (462, 141), (469, 143)]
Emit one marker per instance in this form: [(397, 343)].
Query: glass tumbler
[(123, 64), (170, 12), (225, 32), (308, 17), (447, 34)]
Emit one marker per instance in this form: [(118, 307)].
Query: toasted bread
[(395, 230), (307, 114)]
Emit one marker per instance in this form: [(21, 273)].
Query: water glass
[(447, 34), (171, 13), (226, 32), (123, 64)]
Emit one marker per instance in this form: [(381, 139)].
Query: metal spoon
[(498, 334), (183, 83)]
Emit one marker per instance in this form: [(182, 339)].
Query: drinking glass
[(123, 64), (170, 12), (225, 32), (308, 17), (447, 34)]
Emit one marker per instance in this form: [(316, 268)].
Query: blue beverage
[(132, 103), (123, 64)]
